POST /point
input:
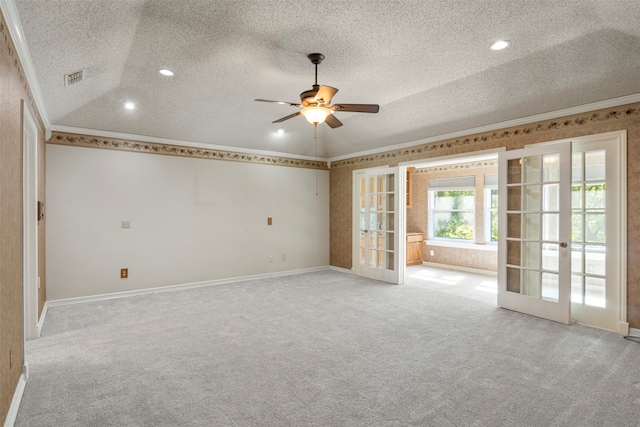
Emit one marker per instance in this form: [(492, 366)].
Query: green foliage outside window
[(593, 207), (454, 218), (494, 214)]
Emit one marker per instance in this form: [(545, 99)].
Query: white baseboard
[(634, 332), (623, 328), (465, 269), (171, 288), (15, 402), (42, 317)]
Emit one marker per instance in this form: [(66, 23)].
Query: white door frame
[(30, 223), (469, 156)]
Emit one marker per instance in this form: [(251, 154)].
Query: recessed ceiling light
[(280, 131), (165, 72), (500, 44), (129, 105)]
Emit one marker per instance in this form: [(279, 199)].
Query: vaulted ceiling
[(427, 63)]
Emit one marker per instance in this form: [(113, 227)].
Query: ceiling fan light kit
[(315, 102), (315, 115)]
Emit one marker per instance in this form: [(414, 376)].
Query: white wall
[(192, 220)]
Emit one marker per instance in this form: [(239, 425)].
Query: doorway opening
[(596, 254), (451, 224)]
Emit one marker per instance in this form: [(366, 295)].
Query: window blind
[(458, 183), (491, 181)]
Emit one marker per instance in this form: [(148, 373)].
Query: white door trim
[(30, 223)]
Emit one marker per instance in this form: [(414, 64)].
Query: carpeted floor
[(323, 349)]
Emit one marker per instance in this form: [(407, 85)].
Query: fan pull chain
[(315, 138)]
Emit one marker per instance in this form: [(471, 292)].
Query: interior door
[(596, 232), (534, 257), (376, 224)]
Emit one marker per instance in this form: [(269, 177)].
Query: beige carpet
[(323, 349)]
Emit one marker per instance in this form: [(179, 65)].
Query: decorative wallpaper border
[(457, 167), (614, 113), (14, 59), (63, 138)]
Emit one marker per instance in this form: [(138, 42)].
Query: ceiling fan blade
[(290, 116), (278, 102), (324, 95), (356, 108), (333, 121)]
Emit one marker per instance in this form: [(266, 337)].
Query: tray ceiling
[(427, 63)]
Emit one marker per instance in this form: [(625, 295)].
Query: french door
[(376, 238), (596, 228), (534, 257)]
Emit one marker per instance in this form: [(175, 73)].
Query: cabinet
[(414, 248)]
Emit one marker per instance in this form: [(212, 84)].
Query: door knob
[(563, 244)]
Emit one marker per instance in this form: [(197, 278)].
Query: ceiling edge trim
[(12, 18), (147, 147), (178, 142), (614, 102)]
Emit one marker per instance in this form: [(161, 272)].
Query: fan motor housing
[(308, 97)]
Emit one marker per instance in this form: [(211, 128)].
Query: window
[(452, 208), (491, 208)]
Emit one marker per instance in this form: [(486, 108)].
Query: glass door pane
[(589, 233)]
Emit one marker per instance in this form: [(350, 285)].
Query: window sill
[(460, 245)]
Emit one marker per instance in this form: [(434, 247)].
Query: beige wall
[(606, 120), (417, 215), (192, 219), (13, 89)]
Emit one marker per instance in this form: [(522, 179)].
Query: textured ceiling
[(426, 62)]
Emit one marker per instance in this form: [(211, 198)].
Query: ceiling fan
[(315, 102)]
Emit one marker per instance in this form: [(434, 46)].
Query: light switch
[(269, 221)]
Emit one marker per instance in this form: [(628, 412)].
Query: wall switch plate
[(124, 273), (269, 221), (284, 257), (270, 258), (432, 253), (125, 223)]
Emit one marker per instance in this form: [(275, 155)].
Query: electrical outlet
[(270, 258), (124, 273), (284, 257), (432, 253), (125, 223)]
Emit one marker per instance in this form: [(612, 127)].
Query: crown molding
[(181, 143), (12, 18), (614, 102)]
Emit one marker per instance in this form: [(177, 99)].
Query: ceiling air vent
[(73, 78)]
